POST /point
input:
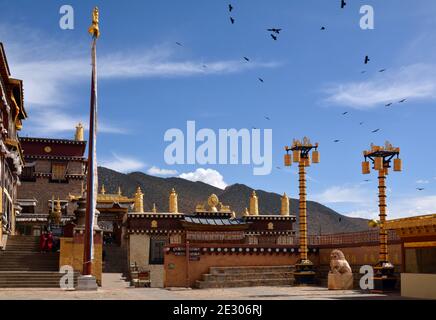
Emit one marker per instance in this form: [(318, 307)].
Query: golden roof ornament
[(213, 201), (154, 210), (57, 212), (94, 29), (103, 190), (119, 191)]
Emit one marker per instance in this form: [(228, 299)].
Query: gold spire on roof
[(254, 205), (119, 191), (154, 208), (79, 132), (285, 205), (173, 207), (103, 190), (139, 200), (94, 29)]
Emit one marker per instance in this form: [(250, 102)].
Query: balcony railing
[(351, 238)]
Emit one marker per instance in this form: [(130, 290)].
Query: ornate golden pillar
[(304, 270), (302, 210), (381, 158), (383, 254)]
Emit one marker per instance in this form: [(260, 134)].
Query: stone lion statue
[(338, 264)]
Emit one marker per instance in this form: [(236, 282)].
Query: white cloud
[(422, 181), (360, 202), (161, 172), (413, 206), (343, 194), (51, 122), (49, 68), (208, 176), (123, 164), (417, 81)]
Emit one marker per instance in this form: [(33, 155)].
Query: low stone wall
[(362, 254), (176, 266)]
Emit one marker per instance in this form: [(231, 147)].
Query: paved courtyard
[(115, 289)]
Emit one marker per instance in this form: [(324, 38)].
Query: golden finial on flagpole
[(94, 28)]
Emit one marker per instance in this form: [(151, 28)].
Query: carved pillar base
[(384, 278), (304, 273)]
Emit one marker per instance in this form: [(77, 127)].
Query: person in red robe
[(49, 242), (43, 241)]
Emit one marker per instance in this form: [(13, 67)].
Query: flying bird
[(232, 20), (267, 118), (260, 79), (278, 168), (388, 105), (367, 180), (273, 36), (246, 59), (420, 189), (361, 123), (367, 59), (343, 4), (382, 70), (376, 130), (179, 44), (336, 141), (362, 72), (275, 30), (322, 28), (344, 113), (230, 8), (401, 101)]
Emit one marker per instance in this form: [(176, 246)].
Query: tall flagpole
[(91, 179)]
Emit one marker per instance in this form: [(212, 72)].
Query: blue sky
[(149, 84)]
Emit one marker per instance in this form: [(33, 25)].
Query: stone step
[(248, 276), (29, 261), (14, 279), (244, 283), (33, 268), (250, 269)]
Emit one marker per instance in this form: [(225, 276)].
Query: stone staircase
[(23, 266), (250, 276)]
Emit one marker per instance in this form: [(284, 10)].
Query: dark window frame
[(156, 255)]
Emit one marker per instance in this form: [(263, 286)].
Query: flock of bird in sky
[(274, 34)]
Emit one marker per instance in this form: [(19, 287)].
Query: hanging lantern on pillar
[(398, 164), (296, 155), (378, 163), (315, 156), (365, 167), (288, 160)]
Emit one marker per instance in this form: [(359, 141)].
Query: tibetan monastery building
[(54, 169), (12, 114), (418, 246), (177, 249)]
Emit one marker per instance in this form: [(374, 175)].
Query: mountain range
[(321, 219)]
